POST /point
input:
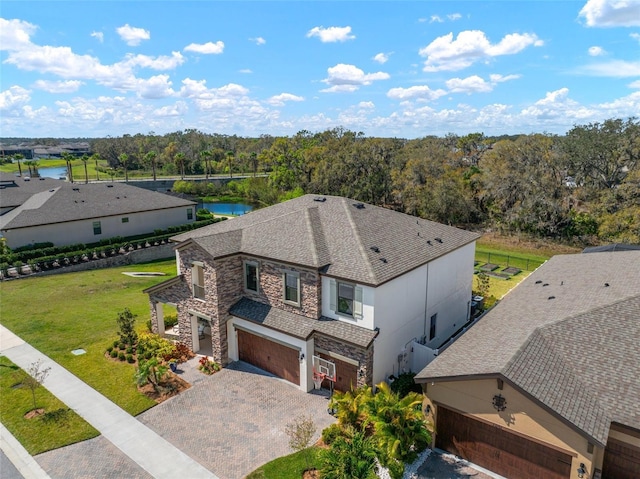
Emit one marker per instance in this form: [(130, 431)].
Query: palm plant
[(151, 158), (179, 159), (352, 408), (84, 159), (124, 159), (67, 157), (352, 455)]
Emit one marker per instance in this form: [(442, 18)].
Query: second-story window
[(251, 276), (345, 299), (292, 288), (197, 280)]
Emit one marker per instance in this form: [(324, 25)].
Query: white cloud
[(16, 96), (635, 36), (472, 84), (279, 100), (634, 84), (98, 35), (381, 58), (162, 62), (331, 34), (454, 16), (245, 70), (133, 36), (348, 78), (611, 13), (422, 92), (68, 86), (476, 84), (179, 108), (15, 34), (366, 105), (158, 86), (208, 48), (596, 51), (435, 19), (258, 40), (613, 69), (471, 46)]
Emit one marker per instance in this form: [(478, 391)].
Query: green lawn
[(59, 313), (37, 434), (288, 467)]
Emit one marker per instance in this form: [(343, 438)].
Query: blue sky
[(390, 69)]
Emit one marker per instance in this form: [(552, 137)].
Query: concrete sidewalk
[(149, 450)]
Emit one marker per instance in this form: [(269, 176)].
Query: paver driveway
[(231, 423), (234, 421)]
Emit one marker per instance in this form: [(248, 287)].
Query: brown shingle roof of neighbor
[(568, 335), (300, 326), (342, 237), (72, 202)]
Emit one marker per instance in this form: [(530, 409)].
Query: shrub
[(57, 415), (180, 353), (109, 349), (114, 354), (404, 384), (121, 356), (130, 350), (122, 346), (130, 358), (208, 366), (116, 343), (330, 433), (170, 320), (126, 324), (152, 345)]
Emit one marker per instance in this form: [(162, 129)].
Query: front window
[(251, 276), (125, 219), (292, 288), (97, 228), (189, 213), (345, 298), (197, 274)]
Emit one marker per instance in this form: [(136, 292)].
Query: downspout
[(426, 294)]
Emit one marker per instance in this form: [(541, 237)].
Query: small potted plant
[(173, 365)]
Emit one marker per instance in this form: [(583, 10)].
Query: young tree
[(151, 371), (300, 432), (126, 322), (37, 375)]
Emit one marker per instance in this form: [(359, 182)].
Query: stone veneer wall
[(229, 290), (271, 288), (363, 356)]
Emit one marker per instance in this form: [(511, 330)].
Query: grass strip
[(38, 434), (289, 467)]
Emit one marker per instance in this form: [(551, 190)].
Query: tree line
[(581, 187)]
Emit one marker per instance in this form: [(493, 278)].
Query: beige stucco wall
[(522, 416)]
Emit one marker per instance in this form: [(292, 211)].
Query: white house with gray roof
[(547, 384), (319, 277), (43, 209)]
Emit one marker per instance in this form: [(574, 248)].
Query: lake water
[(56, 173), (227, 208)]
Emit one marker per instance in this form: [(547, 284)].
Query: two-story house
[(319, 276)]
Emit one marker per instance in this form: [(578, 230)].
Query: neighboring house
[(46, 210), (319, 276), (547, 384)]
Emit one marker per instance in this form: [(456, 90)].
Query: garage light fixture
[(582, 470), (499, 402)]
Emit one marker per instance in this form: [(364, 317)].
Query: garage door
[(498, 450), (621, 461), (346, 374), (273, 357)]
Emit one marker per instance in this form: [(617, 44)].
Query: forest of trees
[(582, 187)]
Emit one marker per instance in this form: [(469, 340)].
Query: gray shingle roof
[(15, 190), (301, 326), (73, 202), (578, 353), (334, 235)]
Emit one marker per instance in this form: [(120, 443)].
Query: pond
[(236, 209), (58, 172)]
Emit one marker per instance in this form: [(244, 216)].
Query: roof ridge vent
[(320, 199), (359, 206)]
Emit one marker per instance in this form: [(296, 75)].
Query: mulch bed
[(170, 387), (34, 413)]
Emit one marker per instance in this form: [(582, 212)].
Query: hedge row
[(32, 254)]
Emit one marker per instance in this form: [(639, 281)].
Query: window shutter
[(332, 295), (357, 303)]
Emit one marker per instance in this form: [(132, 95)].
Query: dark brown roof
[(345, 238), (568, 336), (300, 326)]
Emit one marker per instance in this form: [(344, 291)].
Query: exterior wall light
[(499, 402), (582, 470)]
